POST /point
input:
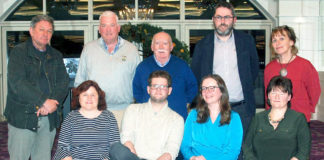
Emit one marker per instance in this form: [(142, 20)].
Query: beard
[(156, 100), (227, 32)]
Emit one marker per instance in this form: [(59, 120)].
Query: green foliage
[(143, 34)]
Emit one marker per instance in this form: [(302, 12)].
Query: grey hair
[(108, 14), (39, 18)]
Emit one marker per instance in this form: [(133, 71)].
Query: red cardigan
[(305, 80)]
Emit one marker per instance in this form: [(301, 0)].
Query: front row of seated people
[(212, 131)]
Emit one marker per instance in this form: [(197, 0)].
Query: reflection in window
[(67, 10), (125, 9), (204, 9), (69, 43), (26, 10), (159, 9), (259, 37)]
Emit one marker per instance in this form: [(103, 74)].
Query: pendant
[(283, 72)]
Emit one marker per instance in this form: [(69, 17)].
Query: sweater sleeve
[(313, 86), (235, 138), (81, 74), (64, 142), (191, 85), (248, 152), (303, 138), (113, 134), (175, 137), (138, 92), (186, 148)]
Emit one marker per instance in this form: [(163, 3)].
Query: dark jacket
[(24, 94), (247, 59)]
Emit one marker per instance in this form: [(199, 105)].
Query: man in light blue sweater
[(111, 62)]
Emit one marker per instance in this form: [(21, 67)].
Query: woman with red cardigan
[(306, 86)]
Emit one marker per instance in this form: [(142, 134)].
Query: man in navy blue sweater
[(184, 83)]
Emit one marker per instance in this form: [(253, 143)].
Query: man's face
[(223, 21), (109, 29), (162, 47), (41, 34), (159, 90)]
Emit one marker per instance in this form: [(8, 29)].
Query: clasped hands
[(49, 106)]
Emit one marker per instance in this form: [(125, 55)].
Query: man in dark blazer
[(232, 55)]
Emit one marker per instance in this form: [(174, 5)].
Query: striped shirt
[(84, 138)]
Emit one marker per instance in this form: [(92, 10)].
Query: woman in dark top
[(278, 133), (88, 131)]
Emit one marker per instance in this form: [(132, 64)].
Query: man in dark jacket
[(232, 55), (37, 85)]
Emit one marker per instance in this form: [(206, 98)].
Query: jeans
[(24, 143)]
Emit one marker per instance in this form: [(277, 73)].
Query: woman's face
[(210, 91), (89, 99), (282, 44), (278, 98)]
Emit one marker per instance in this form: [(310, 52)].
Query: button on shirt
[(225, 65)]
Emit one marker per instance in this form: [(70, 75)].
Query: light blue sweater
[(210, 140)]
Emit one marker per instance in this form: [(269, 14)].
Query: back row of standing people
[(34, 93)]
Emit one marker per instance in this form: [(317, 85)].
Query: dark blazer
[(247, 59)]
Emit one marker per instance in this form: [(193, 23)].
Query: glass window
[(125, 9), (69, 43), (162, 9), (67, 10), (26, 10), (204, 9), (259, 37)]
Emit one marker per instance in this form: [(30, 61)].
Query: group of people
[(124, 109)]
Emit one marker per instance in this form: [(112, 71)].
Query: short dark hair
[(227, 5), (160, 74), (84, 87), (202, 107), (290, 33), (283, 83), (39, 18)]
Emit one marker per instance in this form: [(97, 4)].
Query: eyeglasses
[(226, 18), (209, 88), (159, 86), (280, 93)]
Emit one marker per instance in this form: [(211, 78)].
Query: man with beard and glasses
[(150, 130), (232, 55), (184, 82)]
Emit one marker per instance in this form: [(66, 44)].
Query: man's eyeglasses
[(159, 86), (209, 88), (226, 18)]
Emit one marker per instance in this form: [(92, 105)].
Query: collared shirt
[(160, 64), (225, 65), (152, 133), (120, 42)]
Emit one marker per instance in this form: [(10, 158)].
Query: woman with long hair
[(212, 130)]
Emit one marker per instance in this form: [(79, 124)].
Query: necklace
[(273, 121), (283, 71)]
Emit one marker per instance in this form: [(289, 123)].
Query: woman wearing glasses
[(212, 130), (302, 73), (278, 133)]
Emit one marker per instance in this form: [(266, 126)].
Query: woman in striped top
[(88, 131)]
